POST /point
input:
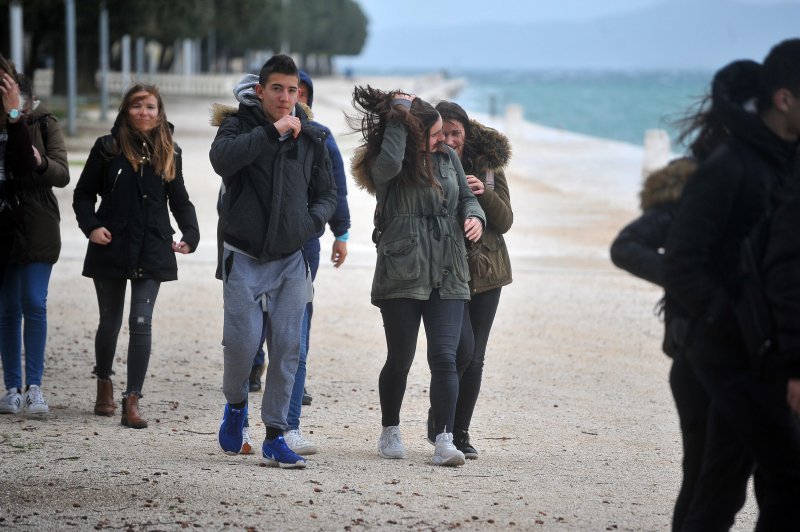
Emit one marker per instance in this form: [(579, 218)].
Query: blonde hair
[(157, 143)]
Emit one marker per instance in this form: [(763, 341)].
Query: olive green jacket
[(421, 247), (486, 154)]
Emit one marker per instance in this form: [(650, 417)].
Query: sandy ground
[(575, 424)]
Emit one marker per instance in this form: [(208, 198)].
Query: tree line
[(318, 29)]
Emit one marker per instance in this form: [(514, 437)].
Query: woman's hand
[(473, 229), (101, 236), (37, 156), (181, 247), (475, 185), (9, 90)]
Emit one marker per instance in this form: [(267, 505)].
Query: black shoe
[(254, 384), (461, 441), (431, 430), (306, 398)]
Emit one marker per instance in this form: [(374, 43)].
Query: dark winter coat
[(278, 193), (638, 249), (487, 152), (37, 237), (781, 274), (133, 207), (730, 191), (421, 247)]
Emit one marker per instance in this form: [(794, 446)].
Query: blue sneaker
[(277, 454), (231, 430)]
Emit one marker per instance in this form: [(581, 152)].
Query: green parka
[(421, 247), (37, 237), (486, 153)]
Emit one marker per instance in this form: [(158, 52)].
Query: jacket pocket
[(401, 258)]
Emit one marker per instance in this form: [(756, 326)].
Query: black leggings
[(476, 325), (442, 319), (111, 301)]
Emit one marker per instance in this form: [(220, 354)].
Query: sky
[(573, 33)]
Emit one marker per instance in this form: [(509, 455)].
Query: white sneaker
[(390, 445), (11, 403), (298, 444), (34, 400), (247, 443), (446, 453)]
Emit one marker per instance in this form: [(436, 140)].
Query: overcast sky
[(624, 34)]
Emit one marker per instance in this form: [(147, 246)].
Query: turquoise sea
[(612, 105)]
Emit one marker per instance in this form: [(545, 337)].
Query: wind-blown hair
[(702, 127), (157, 144), (373, 112)]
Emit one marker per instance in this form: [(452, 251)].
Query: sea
[(617, 105)]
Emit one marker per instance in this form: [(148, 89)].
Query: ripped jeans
[(111, 302)]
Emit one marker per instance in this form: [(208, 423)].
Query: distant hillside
[(677, 34)]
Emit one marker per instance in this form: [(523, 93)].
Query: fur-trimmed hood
[(666, 184), (221, 111), (485, 148)]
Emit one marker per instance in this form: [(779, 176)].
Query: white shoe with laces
[(34, 400), (11, 403), (390, 445), (445, 453), (298, 443)]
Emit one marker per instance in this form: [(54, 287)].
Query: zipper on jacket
[(115, 180)]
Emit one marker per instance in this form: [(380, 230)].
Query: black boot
[(306, 398), (255, 378), (461, 441)]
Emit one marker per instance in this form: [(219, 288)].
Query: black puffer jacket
[(133, 207), (730, 191), (638, 249), (278, 193)]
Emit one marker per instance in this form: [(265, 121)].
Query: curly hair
[(374, 111), (156, 144)]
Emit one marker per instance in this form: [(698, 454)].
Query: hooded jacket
[(278, 193), (37, 237), (340, 221), (487, 153), (728, 194), (638, 247), (133, 207), (421, 247)]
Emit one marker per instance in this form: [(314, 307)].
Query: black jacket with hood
[(638, 249), (278, 193), (727, 195), (133, 207)]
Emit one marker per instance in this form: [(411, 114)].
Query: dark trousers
[(401, 319), (749, 425), (111, 302), (476, 325), (692, 403)]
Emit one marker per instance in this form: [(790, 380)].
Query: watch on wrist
[(13, 114)]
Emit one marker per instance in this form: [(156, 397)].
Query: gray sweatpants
[(272, 294)]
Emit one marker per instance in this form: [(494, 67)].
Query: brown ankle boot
[(104, 404), (131, 417)]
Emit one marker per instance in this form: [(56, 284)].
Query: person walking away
[(750, 423)]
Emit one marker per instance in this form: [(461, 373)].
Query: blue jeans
[(311, 251), (24, 294)]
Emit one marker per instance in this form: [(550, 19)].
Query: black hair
[(277, 64), (780, 70), (452, 111)]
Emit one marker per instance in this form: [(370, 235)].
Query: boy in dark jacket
[(279, 192), (730, 192)]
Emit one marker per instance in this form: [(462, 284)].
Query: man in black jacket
[(279, 192), (750, 423)]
